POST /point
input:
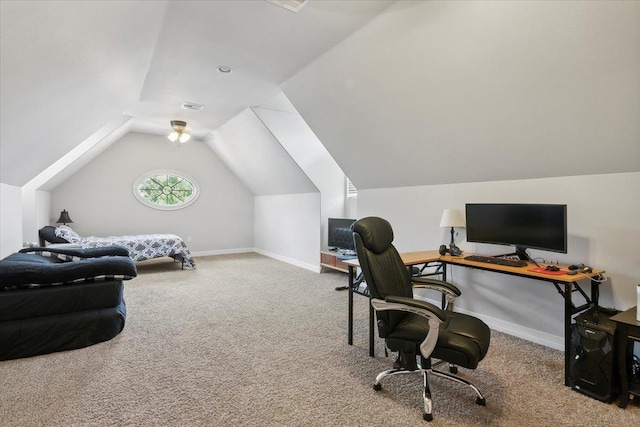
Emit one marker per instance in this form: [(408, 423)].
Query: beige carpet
[(245, 340)]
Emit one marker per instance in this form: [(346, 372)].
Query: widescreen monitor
[(535, 226)]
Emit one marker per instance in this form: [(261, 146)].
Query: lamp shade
[(64, 218), (452, 218)]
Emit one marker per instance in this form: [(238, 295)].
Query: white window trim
[(152, 205)]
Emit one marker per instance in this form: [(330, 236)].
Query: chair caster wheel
[(377, 387), (453, 369), (481, 401), (427, 417)]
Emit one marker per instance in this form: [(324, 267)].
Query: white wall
[(10, 219), (603, 228), (100, 199), (43, 210), (286, 228), (36, 207), (291, 131)]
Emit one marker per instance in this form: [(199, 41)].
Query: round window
[(166, 190)]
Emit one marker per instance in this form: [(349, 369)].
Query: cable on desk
[(598, 279)]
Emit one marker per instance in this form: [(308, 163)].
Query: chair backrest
[(383, 269)]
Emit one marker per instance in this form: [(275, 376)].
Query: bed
[(141, 247)]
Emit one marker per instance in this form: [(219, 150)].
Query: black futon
[(61, 299)]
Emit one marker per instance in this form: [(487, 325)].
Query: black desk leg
[(595, 292), (371, 323), (567, 331), (350, 330)]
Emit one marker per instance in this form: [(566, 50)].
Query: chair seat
[(462, 340)]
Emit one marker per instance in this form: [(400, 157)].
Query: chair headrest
[(376, 233)]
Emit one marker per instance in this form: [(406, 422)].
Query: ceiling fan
[(180, 135)]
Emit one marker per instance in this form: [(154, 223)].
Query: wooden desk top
[(421, 257), (409, 258), (527, 271)]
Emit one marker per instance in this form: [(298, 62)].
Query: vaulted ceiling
[(400, 93), (68, 68)]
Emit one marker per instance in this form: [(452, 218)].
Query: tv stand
[(330, 259)]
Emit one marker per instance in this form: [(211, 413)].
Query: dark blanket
[(35, 267)]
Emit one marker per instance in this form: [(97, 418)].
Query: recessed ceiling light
[(224, 69)]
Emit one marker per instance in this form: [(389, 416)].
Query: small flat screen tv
[(340, 234), (535, 226)]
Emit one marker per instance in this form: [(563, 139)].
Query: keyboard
[(498, 261)]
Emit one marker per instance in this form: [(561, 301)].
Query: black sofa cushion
[(27, 269), (60, 332), (24, 303), (85, 307)]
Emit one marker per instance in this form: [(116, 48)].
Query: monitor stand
[(521, 253)]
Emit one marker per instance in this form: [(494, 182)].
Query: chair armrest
[(449, 290), (417, 306), (433, 314), (439, 285)]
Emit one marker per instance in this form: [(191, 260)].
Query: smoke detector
[(292, 5)]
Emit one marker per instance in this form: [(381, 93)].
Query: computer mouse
[(551, 268)]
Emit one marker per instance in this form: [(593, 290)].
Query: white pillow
[(67, 234)]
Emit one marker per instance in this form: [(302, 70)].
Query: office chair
[(414, 327)]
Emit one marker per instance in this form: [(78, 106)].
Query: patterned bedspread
[(140, 247), (146, 246)]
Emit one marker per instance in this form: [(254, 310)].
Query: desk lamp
[(452, 218)]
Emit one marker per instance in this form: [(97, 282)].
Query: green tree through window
[(165, 190)]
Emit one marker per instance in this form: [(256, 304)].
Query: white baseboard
[(297, 263), (314, 268), (538, 337), (222, 252)]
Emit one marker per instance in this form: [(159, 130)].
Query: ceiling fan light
[(173, 136), (184, 137)]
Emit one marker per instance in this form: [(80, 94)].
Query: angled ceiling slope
[(452, 92), (256, 157), (69, 68), (66, 70)]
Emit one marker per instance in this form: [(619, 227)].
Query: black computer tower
[(593, 367)]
